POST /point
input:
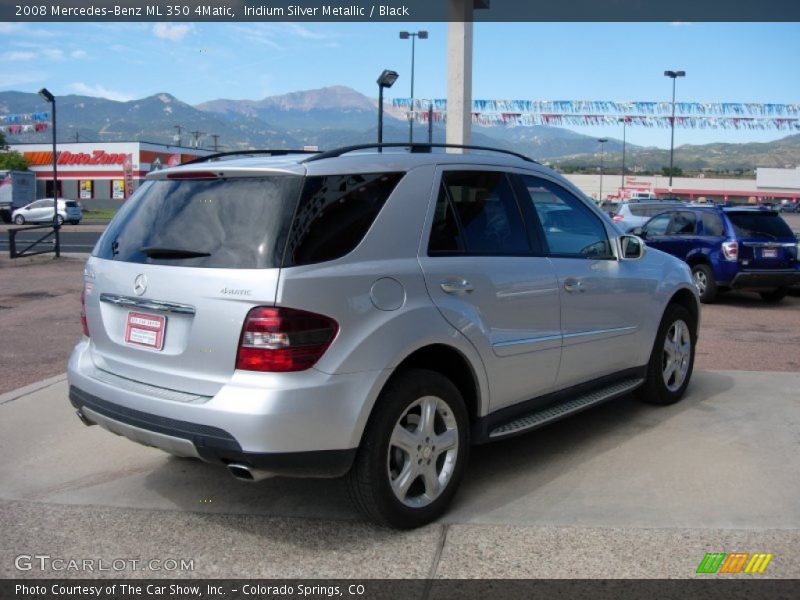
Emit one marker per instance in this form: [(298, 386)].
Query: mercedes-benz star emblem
[(140, 284)]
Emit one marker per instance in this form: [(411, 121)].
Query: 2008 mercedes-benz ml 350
[(369, 312)]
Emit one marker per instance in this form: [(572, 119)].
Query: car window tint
[(235, 223), (639, 211), (658, 225), (477, 212), (334, 214), (759, 224), (712, 224), (683, 223), (570, 227)]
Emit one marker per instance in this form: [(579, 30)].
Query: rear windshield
[(72, 204), (760, 224), (234, 223)]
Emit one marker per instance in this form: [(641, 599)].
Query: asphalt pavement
[(623, 490)]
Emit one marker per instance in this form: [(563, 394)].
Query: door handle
[(456, 286), (573, 285)]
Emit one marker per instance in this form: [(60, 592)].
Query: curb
[(30, 389)]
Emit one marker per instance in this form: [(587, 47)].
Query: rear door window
[(683, 223), (477, 213)]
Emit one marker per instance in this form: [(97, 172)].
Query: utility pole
[(196, 135), (77, 137), (216, 141), (178, 135)]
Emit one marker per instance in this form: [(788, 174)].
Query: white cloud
[(78, 54), (99, 91), (681, 23), (171, 31), (13, 79), (19, 55), (53, 53), (304, 32)]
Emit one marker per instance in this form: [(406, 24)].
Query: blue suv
[(729, 248)]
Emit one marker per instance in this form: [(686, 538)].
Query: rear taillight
[(617, 218), (730, 250), (84, 324), (283, 339)]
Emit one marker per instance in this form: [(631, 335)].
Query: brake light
[(193, 175), (730, 250), (617, 218), (84, 324), (283, 339)]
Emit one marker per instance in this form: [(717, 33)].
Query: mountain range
[(338, 115)]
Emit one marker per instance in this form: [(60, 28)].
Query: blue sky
[(725, 62)]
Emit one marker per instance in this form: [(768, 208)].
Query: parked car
[(369, 314), (789, 207), (729, 248), (41, 211), (636, 213)]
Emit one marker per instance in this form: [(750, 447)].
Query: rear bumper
[(306, 424), (211, 444), (765, 279)]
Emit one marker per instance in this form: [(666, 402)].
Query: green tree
[(13, 161), (676, 171), (3, 144)]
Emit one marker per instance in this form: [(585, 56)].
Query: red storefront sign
[(65, 157)]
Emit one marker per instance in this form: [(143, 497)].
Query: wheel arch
[(688, 300)]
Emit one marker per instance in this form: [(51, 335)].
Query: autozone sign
[(65, 157)]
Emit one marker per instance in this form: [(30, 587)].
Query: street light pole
[(404, 35), (602, 152), (385, 80), (674, 76), (624, 121), (48, 97)]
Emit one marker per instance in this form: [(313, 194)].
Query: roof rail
[(276, 152), (413, 148)]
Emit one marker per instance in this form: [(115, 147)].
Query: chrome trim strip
[(769, 244), (154, 305), (536, 340), (599, 334)]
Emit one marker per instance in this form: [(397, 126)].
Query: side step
[(554, 412)]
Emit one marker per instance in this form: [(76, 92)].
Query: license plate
[(769, 253), (145, 330)]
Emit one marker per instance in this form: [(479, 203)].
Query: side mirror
[(631, 247)]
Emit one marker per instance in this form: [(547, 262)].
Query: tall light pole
[(624, 121), (404, 35), (385, 80), (673, 75), (602, 152), (48, 97)]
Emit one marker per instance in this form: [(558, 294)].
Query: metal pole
[(430, 123), (56, 227), (411, 114), (672, 138), (380, 117), (624, 123), (602, 151)]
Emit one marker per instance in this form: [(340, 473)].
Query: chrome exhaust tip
[(83, 419), (248, 473)]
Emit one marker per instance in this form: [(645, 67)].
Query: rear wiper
[(156, 252)]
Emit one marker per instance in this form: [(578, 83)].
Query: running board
[(554, 412)]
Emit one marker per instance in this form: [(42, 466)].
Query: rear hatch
[(172, 278), (765, 240)]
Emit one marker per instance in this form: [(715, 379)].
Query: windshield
[(234, 223)]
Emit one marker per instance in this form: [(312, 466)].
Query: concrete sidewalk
[(623, 490)]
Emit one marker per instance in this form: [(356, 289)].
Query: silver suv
[(369, 312)]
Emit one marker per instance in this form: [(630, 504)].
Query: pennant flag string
[(27, 128), (614, 108), (24, 118)]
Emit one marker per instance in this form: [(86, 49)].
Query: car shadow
[(498, 474)]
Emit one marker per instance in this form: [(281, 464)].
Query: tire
[(661, 386), (379, 467), (19, 220), (706, 283), (59, 220), (775, 295)]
